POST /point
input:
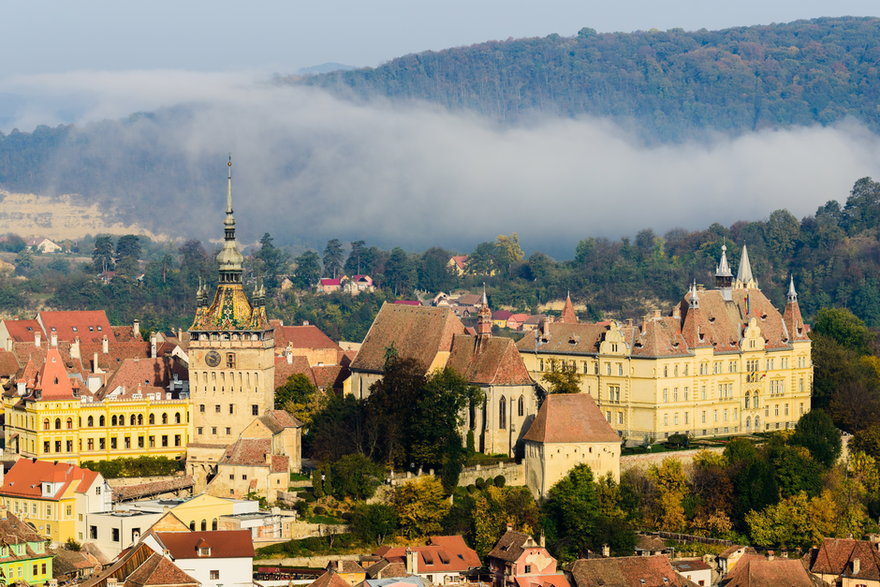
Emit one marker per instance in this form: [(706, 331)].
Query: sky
[(409, 175)]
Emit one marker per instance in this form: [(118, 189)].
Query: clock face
[(212, 358)]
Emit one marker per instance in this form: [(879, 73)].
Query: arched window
[(151, 419), (204, 525), (132, 420), (757, 422), (748, 422), (748, 398), (502, 413), (113, 421), (214, 524), (46, 424), (101, 421), (177, 417), (192, 526), (140, 419), (756, 406), (520, 407), (91, 421), (164, 418), (57, 423), (69, 423)]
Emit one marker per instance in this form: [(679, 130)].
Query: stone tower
[(231, 355)]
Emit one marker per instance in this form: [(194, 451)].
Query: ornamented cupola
[(724, 276), (744, 277), (568, 316), (484, 320), (230, 309)]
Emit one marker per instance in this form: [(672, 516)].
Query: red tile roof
[(568, 316), (501, 314), (542, 581), (753, 570), (277, 420), (223, 543), (570, 417), (24, 330), (248, 451), (488, 361), (132, 374), (330, 281), (446, 554), (653, 571), (88, 325), (511, 546), (302, 337), (158, 571), (835, 557), (54, 382), (25, 477), (329, 579), (8, 364), (297, 364)]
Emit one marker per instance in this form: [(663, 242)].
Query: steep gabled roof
[(570, 417), (88, 325), (625, 571), (24, 330), (53, 381), (835, 557), (248, 451), (415, 332), (329, 579), (488, 361), (447, 554), (277, 420), (568, 316), (302, 337), (754, 570), (222, 543), (511, 546), (26, 475), (158, 571), (560, 337)]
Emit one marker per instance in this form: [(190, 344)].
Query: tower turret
[(744, 277), (724, 276), (568, 316), (484, 320), (229, 258)]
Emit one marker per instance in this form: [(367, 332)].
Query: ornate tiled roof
[(230, 310)]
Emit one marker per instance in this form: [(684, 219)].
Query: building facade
[(24, 554), (723, 361)]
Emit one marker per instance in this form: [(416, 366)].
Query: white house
[(221, 558)]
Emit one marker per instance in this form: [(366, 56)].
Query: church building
[(723, 361)]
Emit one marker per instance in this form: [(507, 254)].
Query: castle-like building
[(723, 361)]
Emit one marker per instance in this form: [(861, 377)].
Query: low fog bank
[(309, 166)]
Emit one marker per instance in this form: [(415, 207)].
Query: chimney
[(305, 323), (95, 367), (412, 561), (542, 540), (105, 345), (153, 345), (136, 328), (676, 313), (857, 566), (38, 339), (606, 550), (74, 349), (288, 354), (53, 339)]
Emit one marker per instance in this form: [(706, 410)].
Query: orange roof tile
[(570, 417), (754, 570), (627, 570), (302, 337), (488, 361), (26, 475), (24, 330), (88, 325), (223, 543)]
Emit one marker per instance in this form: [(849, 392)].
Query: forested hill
[(671, 83)]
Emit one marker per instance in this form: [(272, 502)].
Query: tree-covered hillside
[(670, 83)]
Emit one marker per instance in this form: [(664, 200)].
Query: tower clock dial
[(212, 358)]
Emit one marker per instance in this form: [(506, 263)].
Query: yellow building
[(24, 556), (142, 409), (724, 361), (51, 497)]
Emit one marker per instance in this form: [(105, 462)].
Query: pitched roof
[(329, 579), (24, 330), (835, 556), (158, 570), (754, 570), (223, 543), (627, 571), (15, 531), (307, 336), (488, 361), (248, 451), (501, 314), (510, 546), (141, 372), (53, 381), (298, 364), (8, 364), (278, 420), (441, 554), (415, 332), (568, 316), (88, 325), (25, 478), (570, 417)]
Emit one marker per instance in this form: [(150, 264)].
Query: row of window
[(726, 415), (705, 367), (114, 443), (502, 411), (218, 408), (134, 420)]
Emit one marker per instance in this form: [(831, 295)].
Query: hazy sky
[(40, 36)]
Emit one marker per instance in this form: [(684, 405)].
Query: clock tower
[(231, 356)]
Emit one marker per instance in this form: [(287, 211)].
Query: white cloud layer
[(310, 166)]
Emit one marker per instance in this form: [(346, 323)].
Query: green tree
[(333, 257), (816, 432), (374, 522), (102, 255), (400, 273), (308, 270), (795, 522), (300, 397), (421, 506), (273, 262), (357, 258), (356, 476), (570, 513), (843, 327), (562, 378)]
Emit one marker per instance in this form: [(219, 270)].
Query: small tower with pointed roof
[(794, 321), (744, 277), (724, 276), (568, 316), (484, 320)]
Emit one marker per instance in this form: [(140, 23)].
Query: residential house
[(723, 361), (53, 496), (516, 321), (631, 571), (349, 571), (435, 338), (755, 570), (443, 560), (141, 566), (24, 553), (569, 430), (113, 530), (845, 562), (647, 545), (457, 264), (330, 578), (500, 317), (517, 560), (329, 285), (223, 558), (73, 566), (358, 283), (44, 245), (694, 569)]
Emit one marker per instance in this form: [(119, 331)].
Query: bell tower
[(231, 350)]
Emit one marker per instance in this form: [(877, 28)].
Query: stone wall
[(129, 481), (310, 562), (514, 474), (646, 460)]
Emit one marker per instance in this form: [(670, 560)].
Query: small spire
[(229, 185), (744, 277), (723, 268), (485, 301), (792, 293), (693, 298), (568, 315)]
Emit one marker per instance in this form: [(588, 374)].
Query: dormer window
[(711, 319), (74, 328), (204, 551), (100, 328)]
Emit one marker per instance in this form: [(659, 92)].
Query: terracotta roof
[(835, 557), (501, 314), (568, 316), (71, 562), (441, 554), (150, 488), (53, 382), (408, 302), (24, 330), (302, 337), (144, 565), (25, 477), (460, 261), (134, 373), (570, 417), (626, 571), (248, 451), (510, 546), (384, 569), (8, 364), (158, 570), (330, 579), (470, 300), (223, 543), (560, 338), (542, 581), (88, 325), (650, 543), (278, 420), (329, 281), (345, 566), (488, 361), (415, 332), (297, 364), (685, 565), (15, 531), (753, 570)]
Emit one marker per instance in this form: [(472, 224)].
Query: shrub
[(319, 511), (499, 481), (135, 467)]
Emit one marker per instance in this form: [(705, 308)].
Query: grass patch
[(324, 519), (300, 477), (481, 459)]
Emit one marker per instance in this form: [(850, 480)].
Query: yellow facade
[(55, 519), (203, 511), (73, 431), (705, 394)]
